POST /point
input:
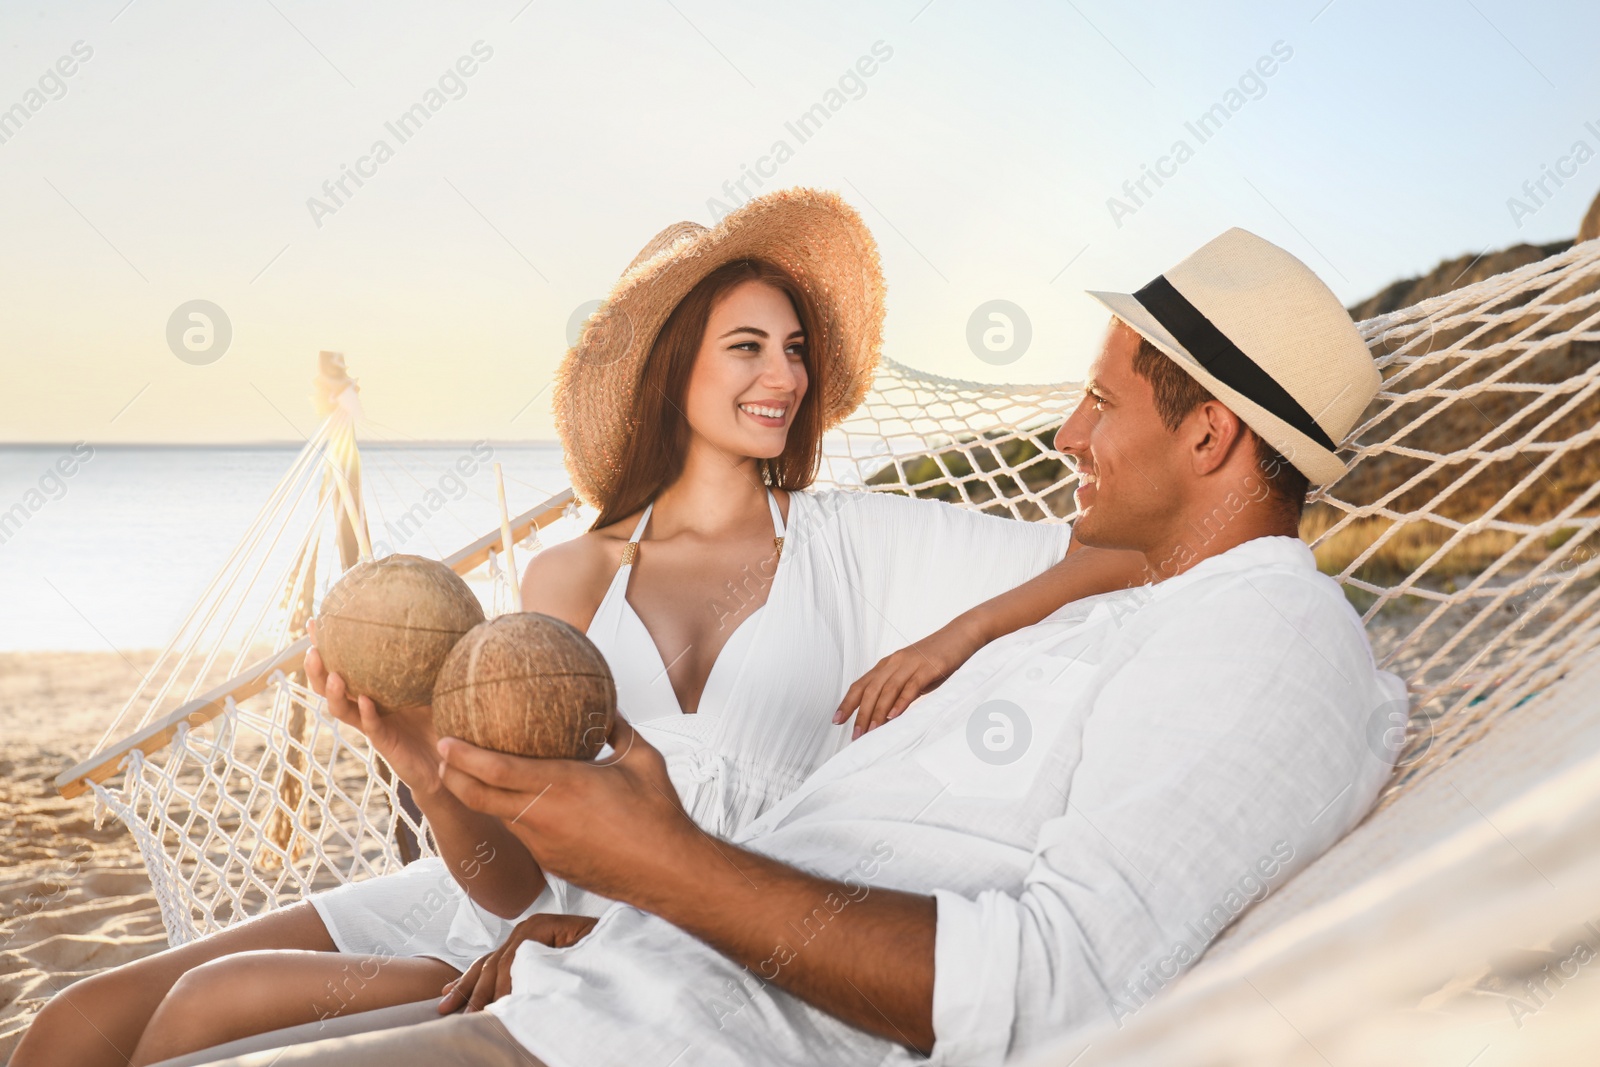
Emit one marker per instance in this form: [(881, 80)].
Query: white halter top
[(644, 692)]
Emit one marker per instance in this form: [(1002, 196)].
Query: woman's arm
[(888, 688), (486, 859), (488, 862)]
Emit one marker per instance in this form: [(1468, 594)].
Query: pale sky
[(176, 161)]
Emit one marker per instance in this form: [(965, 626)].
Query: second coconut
[(528, 685)]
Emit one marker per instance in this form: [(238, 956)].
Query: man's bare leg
[(97, 1022), (250, 993)]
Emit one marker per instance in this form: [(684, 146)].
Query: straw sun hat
[(814, 235), (1257, 328)]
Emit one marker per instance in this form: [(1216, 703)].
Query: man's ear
[(1214, 434)]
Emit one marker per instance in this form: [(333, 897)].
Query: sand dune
[(73, 899)]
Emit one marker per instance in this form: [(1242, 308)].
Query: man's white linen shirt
[(1089, 800)]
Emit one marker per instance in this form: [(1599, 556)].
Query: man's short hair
[(1177, 393)]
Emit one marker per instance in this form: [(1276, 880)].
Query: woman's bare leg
[(97, 1022), (253, 992)]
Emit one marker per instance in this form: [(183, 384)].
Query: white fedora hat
[(1260, 330)]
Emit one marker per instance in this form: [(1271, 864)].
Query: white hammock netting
[(1464, 533)]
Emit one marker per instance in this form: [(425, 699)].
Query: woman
[(733, 608)]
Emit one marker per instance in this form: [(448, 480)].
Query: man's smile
[(1084, 493)]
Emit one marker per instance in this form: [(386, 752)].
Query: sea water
[(109, 546)]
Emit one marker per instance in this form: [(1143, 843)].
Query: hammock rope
[(1464, 534)]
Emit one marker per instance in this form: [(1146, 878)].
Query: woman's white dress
[(860, 575)]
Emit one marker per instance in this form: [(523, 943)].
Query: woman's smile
[(766, 414)]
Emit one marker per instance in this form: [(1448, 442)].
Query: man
[(1055, 833)]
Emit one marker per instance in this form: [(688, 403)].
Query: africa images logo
[(999, 732), (199, 332)]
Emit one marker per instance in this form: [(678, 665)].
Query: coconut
[(528, 685), (388, 624)]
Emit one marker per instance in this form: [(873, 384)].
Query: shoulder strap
[(777, 521), (630, 551)]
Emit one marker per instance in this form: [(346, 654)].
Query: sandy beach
[(74, 899)]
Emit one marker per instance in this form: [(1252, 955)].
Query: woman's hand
[(489, 979), (889, 688), (405, 738)]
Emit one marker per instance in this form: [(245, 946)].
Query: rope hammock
[(1464, 534)]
